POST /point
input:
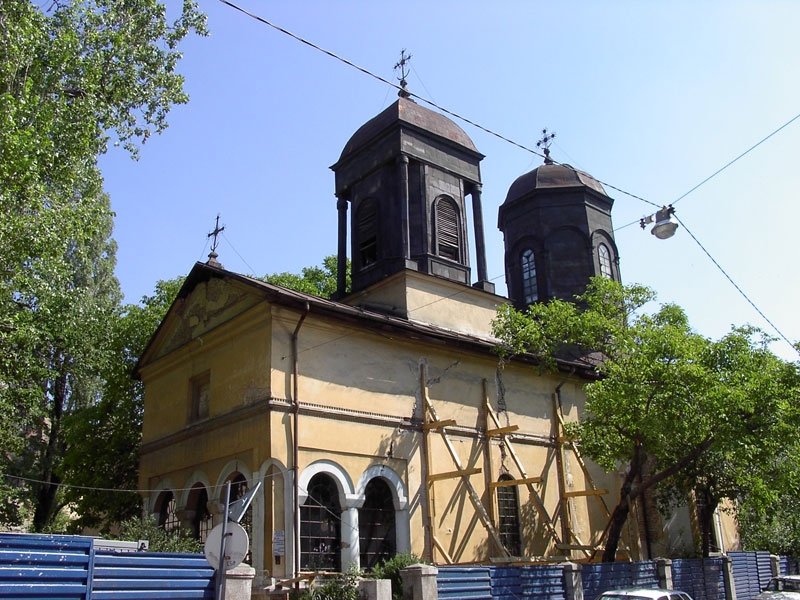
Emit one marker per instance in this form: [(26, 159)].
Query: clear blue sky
[(649, 97)]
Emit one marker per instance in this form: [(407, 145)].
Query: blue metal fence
[(467, 583), (702, 579), (751, 573), (598, 578), (54, 567)]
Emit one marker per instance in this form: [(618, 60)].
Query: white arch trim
[(195, 478), (165, 485), (234, 466), (399, 496), (347, 499)]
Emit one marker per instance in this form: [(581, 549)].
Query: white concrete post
[(239, 582), (573, 584), (664, 567), (351, 548), (419, 582), (375, 589)]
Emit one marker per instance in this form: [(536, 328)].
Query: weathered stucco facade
[(356, 384), (384, 421)]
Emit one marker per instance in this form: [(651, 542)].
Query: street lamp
[(665, 223)]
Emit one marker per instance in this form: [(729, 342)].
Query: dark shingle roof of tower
[(409, 112), (551, 176)]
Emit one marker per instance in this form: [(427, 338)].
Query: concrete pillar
[(419, 582), (573, 584), (727, 576), (775, 565), (375, 589), (664, 568), (341, 256), (402, 528), (402, 165), (239, 582), (477, 220), (351, 548)]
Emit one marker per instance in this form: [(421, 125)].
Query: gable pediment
[(208, 305)]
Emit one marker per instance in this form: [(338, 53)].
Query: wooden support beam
[(500, 431), (580, 493), (575, 547), (438, 424), (447, 558), (454, 474), (513, 482)]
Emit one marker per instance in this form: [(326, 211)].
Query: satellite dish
[(236, 546)]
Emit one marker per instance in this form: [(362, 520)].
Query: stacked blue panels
[(152, 576), (751, 573), (702, 579), (464, 583), (45, 566), (543, 582), (506, 582), (597, 578)]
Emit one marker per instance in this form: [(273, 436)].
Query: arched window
[(448, 229), (508, 516), (604, 257), (376, 525), (530, 288), (367, 232), (201, 519), (166, 510), (320, 529), (238, 490)]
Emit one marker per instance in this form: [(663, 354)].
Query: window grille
[(508, 516), (320, 527), (530, 288), (376, 524), (604, 257)]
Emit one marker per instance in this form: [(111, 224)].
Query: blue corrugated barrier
[(598, 578), (464, 583), (702, 579), (54, 567), (751, 573)]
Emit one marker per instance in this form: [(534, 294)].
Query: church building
[(382, 421)]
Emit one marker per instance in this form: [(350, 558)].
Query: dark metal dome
[(408, 112), (551, 176)]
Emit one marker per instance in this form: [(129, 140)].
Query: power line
[(417, 96), (735, 285), (743, 154), (532, 151)]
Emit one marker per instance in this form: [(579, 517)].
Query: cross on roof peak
[(401, 66), (544, 144)]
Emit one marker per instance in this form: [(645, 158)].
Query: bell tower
[(404, 177), (557, 229)]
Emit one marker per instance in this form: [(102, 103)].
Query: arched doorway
[(320, 526), (376, 524)]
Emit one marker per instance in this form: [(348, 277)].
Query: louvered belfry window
[(367, 232), (448, 238)]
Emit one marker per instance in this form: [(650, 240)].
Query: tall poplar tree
[(74, 76)]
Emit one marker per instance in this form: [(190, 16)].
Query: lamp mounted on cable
[(665, 223)]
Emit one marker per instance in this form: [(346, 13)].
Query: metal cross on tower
[(401, 66), (215, 234), (212, 256), (544, 144)]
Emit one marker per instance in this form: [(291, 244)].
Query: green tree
[(317, 281), (669, 405), (72, 78), (103, 439)]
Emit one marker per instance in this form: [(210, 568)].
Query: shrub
[(390, 569)]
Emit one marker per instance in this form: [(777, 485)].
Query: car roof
[(642, 592)]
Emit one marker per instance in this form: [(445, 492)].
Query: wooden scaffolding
[(562, 539)]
